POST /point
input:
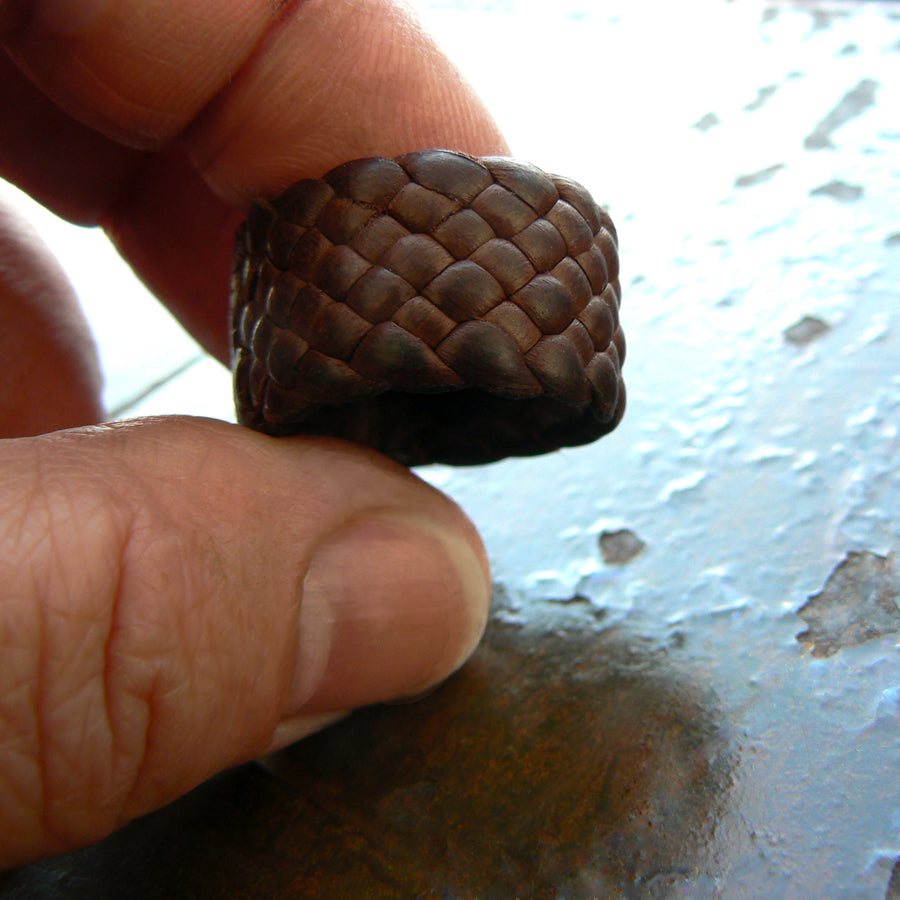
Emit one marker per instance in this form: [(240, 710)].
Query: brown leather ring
[(437, 307)]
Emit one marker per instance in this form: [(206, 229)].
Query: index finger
[(235, 98)]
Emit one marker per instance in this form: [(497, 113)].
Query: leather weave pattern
[(437, 307)]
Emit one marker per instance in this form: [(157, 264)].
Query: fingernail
[(292, 730), (392, 603)]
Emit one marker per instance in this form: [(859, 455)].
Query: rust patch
[(857, 604)]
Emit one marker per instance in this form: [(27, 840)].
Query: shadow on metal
[(563, 761)]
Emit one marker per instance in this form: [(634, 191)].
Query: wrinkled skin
[(181, 595)]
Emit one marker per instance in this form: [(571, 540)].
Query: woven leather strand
[(437, 307)]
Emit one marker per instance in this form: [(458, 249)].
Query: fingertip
[(393, 602), (371, 83), (199, 594), (51, 376), (295, 729)]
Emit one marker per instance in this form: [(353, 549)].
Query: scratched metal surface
[(750, 156)]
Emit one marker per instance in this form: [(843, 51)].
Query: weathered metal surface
[(754, 460), (857, 604), (565, 759)]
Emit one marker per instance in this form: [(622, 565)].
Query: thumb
[(182, 595)]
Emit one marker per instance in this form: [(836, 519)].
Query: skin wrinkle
[(132, 187), (245, 577), (45, 559), (205, 159), (109, 691), (62, 760), (40, 725), (47, 707), (155, 140), (131, 139), (310, 684), (138, 689), (168, 680), (151, 703), (282, 10), (127, 116), (30, 782), (157, 685), (382, 121), (395, 73), (166, 695), (132, 105), (161, 678)]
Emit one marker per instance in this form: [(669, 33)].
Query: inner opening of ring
[(464, 427)]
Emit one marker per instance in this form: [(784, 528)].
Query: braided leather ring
[(437, 307)]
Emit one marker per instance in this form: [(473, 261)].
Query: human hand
[(181, 595)]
